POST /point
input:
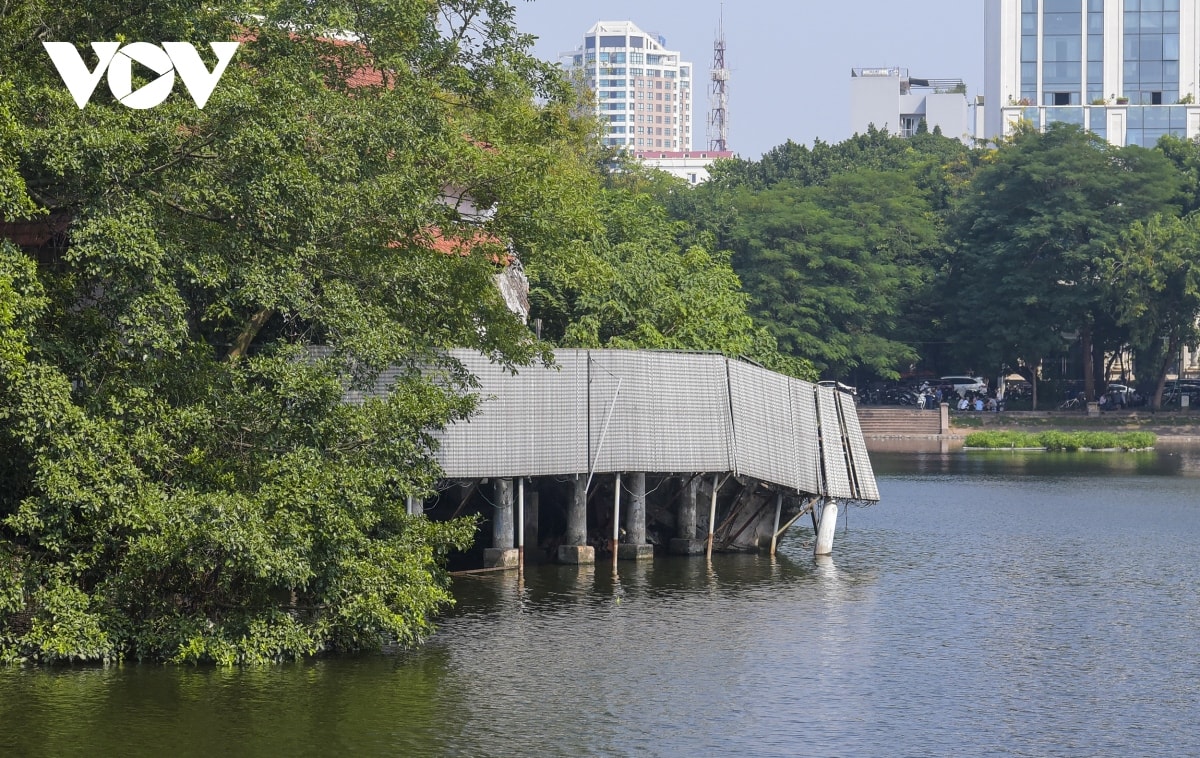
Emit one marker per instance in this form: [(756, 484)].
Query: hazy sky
[(790, 60)]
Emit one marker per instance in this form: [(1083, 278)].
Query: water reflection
[(1168, 461)]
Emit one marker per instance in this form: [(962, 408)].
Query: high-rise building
[(643, 90), (1124, 69)]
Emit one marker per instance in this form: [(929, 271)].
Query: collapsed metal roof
[(608, 411)]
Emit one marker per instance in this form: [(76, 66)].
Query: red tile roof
[(35, 232), (437, 240)]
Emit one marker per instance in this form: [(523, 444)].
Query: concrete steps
[(890, 421)]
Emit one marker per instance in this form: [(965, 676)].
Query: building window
[(1151, 50)]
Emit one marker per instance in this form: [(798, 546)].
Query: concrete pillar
[(944, 419), (635, 547), (502, 553), (531, 516), (635, 517), (576, 549), (685, 542), (826, 527)]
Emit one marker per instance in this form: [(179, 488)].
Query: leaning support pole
[(712, 518), (778, 513), (828, 524)]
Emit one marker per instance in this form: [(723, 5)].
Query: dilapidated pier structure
[(616, 451)]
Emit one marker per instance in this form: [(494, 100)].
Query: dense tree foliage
[(840, 246), (1152, 277), (181, 479), (1037, 218), (830, 267), (645, 281)]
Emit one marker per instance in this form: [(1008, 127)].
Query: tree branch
[(242, 343)]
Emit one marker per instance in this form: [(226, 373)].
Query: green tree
[(1025, 279), (645, 281), (831, 268), (181, 477), (1153, 278), (1185, 154)]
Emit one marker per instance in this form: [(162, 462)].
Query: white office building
[(1128, 70), (892, 101), (689, 165), (643, 90)]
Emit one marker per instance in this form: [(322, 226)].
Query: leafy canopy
[(180, 478)]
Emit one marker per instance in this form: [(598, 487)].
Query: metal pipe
[(521, 524), (712, 519), (603, 432), (616, 530), (778, 513)]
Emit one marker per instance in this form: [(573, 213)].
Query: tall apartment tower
[(643, 90), (1128, 70)]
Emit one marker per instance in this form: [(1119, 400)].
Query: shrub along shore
[(1061, 440)]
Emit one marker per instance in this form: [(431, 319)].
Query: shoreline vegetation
[(1060, 440)]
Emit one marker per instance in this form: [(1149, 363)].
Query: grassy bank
[(1163, 424), (1061, 440)]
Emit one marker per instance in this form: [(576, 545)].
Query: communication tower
[(718, 93)]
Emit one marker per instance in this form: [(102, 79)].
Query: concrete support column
[(685, 542), (944, 419), (826, 527), (531, 516), (635, 547), (576, 549), (502, 553)]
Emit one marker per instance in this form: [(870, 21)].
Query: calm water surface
[(992, 604)]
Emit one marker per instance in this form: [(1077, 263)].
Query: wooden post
[(712, 519), (778, 513)]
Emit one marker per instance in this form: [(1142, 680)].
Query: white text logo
[(166, 61)]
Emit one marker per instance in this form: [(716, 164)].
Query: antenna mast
[(718, 96)]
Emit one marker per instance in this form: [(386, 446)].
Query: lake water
[(1023, 604)]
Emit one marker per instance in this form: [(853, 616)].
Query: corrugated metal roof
[(608, 411)]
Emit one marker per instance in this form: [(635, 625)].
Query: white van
[(965, 384)]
